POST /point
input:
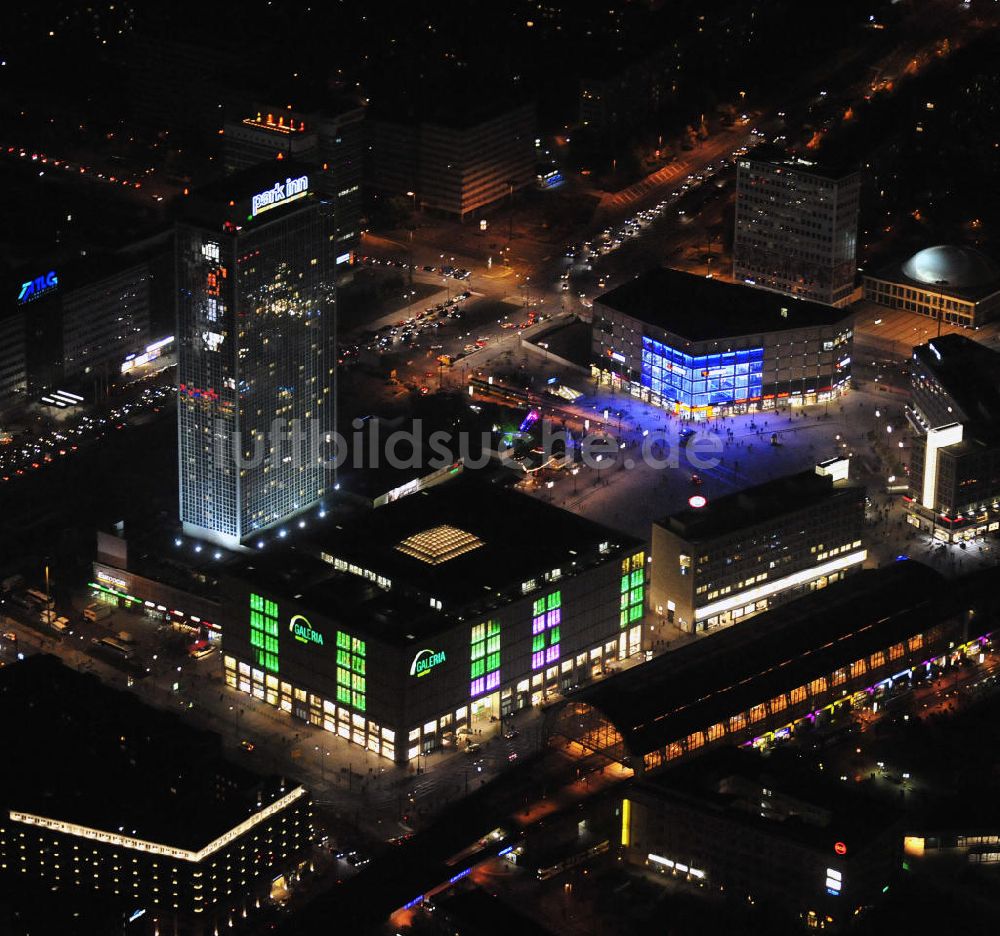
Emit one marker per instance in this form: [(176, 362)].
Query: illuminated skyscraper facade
[(256, 312)]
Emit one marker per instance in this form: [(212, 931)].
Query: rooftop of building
[(969, 372), (827, 167), (472, 542), (954, 270), (701, 309), (99, 757), (474, 912), (802, 806), (757, 505), (707, 681), (455, 105)]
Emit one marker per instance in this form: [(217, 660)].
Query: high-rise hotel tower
[(256, 324)]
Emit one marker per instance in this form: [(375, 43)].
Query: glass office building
[(256, 306), (716, 380), (700, 347)]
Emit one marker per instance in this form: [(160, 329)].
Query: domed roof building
[(957, 267), (959, 285)]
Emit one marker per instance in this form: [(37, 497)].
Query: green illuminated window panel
[(545, 624), (264, 631), (484, 651), (633, 590), (352, 667)]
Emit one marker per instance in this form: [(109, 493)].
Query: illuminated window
[(632, 590), (264, 632), (352, 669), (484, 652), (546, 620)]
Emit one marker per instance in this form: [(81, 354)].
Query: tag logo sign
[(302, 630), (425, 661), (32, 289), (280, 194)]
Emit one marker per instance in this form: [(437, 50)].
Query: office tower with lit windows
[(733, 557), (127, 812), (796, 227), (954, 415), (256, 312)]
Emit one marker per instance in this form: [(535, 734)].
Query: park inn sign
[(279, 194), (425, 661)]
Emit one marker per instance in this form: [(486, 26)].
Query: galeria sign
[(279, 194), (302, 630), (425, 661)]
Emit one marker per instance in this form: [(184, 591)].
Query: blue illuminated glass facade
[(699, 382)]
